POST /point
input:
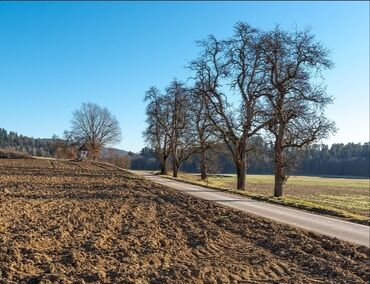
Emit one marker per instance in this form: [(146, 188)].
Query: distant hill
[(122, 153)]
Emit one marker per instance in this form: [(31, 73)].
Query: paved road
[(333, 227)]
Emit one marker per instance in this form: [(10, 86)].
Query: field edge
[(287, 201)]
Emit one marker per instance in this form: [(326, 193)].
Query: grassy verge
[(288, 200)]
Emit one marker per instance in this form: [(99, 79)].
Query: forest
[(32, 146), (351, 159)]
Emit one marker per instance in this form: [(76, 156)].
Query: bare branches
[(95, 126), (183, 142), (202, 128), (158, 131), (238, 63), (275, 79), (295, 101), (169, 124)]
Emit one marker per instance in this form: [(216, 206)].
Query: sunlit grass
[(348, 198), (293, 180)]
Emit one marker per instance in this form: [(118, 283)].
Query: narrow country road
[(333, 227)]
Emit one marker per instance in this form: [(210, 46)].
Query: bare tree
[(296, 98), (95, 126), (237, 62), (158, 131), (203, 129), (168, 130), (181, 137)]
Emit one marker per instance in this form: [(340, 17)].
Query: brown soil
[(65, 222)]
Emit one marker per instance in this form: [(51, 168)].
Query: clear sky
[(54, 56)]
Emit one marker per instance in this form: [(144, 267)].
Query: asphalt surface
[(333, 227)]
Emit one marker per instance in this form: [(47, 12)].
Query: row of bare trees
[(255, 83), (178, 126)]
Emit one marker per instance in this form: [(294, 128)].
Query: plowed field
[(69, 222)]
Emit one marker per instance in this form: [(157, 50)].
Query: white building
[(82, 152)]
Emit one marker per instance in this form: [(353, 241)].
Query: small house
[(82, 152)]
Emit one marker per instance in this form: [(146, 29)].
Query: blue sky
[(55, 56)]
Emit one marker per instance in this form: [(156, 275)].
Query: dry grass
[(12, 154), (342, 197), (65, 222)]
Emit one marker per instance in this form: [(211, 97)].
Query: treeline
[(32, 146), (56, 147), (350, 159), (340, 159)]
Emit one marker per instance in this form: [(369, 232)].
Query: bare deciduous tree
[(168, 130), (95, 126), (158, 131), (203, 129), (296, 101), (182, 139), (237, 62)]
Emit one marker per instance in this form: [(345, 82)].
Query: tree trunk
[(241, 167), (279, 169), (95, 150), (94, 153), (176, 168), (163, 166), (203, 166), (240, 173), (240, 160)]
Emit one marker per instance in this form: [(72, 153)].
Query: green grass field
[(348, 198)]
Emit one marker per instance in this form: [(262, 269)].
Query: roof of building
[(82, 148)]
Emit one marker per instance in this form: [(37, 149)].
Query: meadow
[(344, 197)]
